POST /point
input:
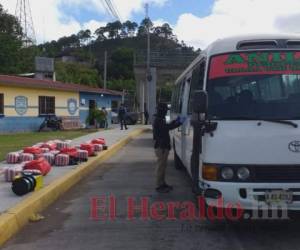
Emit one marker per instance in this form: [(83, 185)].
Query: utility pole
[(90, 50), (105, 70), (123, 96), (148, 72), (148, 41)]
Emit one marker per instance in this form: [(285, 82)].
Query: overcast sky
[(197, 22)]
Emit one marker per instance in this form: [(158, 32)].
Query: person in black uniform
[(162, 144), (122, 116), (146, 114)]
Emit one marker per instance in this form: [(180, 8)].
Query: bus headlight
[(243, 173), (227, 173)]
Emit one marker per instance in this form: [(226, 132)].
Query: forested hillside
[(121, 41)]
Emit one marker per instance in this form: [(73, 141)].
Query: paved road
[(130, 173)]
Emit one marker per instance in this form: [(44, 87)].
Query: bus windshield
[(261, 85)]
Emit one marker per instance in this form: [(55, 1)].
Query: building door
[(92, 106)]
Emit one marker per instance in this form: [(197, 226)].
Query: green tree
[(121, 41), (14, 58), (9, 25), (130, 28), (9, 54), (146, 23), (101, 34), (68, 42), (26, 62), (121, 65), (114, 29), (120, 84), (164, 31), (164, 93), (77, 73), (50, 49), (84, 36)]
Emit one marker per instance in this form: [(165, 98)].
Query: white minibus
[(241, 139)]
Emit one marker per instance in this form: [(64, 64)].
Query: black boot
[(163, 189), (168, 186)]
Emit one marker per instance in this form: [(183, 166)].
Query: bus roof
[(231, 44), (250, 42)]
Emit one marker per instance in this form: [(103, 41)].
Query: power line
[(103, 2), (115, 9), (111, 9)]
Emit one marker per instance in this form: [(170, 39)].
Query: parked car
[(114, 117), (132, 118)]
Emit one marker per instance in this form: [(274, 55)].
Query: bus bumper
[(249, 196)]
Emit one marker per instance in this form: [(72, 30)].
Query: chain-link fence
[(165, 58)]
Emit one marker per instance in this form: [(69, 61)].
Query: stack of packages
[(38, 160), (40, 157), (15, 167), (29, 159), (94, 146), (100, 144), (26, 170)]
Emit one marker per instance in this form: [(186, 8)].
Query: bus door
[(185, 128), (177, 112), (196, 83)]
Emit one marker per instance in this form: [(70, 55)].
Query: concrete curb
[(17, 217)]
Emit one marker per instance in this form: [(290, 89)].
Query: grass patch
[(15, 142)]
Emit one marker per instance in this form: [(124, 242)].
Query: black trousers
[(146, 120), (123, 122)]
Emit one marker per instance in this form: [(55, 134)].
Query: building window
[(1, 104), (46, 105), (114, 105)]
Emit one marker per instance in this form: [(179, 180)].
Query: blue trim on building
[(36, 107), (103, 100), (13, 124), (83, 115), (20, 124)]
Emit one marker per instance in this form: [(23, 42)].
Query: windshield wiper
[(229, 118), (293, 124), (247, 118)]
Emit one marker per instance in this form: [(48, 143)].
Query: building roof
[(55, 85)]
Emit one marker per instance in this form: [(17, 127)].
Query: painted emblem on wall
[(72, 106), (21, 105)]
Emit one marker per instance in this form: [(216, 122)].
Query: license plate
[(279, 196)]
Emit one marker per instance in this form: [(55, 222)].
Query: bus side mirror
[(200, 102)]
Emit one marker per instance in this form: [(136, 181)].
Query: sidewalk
[(9, 199)]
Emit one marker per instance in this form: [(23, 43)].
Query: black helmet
[(162, 109)]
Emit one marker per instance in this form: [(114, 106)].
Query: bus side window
[(197, 82), (180, 94), (175, 98)]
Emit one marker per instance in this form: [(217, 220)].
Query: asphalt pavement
[(70, 223)]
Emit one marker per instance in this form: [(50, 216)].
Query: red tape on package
[(40, 164)]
